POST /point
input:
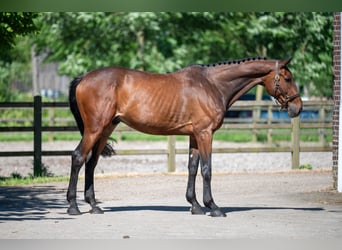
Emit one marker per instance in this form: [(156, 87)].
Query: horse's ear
[(285, 62)]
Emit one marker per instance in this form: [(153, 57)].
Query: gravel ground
[(262, 197), (120, 164), (287, 205)]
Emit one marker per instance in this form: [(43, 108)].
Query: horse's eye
[(287, 79)]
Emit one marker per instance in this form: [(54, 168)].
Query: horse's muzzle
[(294, 109)]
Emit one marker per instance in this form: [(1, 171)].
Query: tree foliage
[(13, 24), (149, 41), (14, 58), (306, 37), (164, 42)]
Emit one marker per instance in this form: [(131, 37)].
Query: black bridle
[(287, 98)]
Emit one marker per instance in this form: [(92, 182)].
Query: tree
[(305, 36), (14, 60), (164, 42), (13, 24), (149, 41)]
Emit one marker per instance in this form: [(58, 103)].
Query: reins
[(282, 92)]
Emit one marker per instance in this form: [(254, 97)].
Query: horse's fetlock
[(190, 197), (208, 203), (89, 198)]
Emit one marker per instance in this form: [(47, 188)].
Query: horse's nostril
[(294, 110)]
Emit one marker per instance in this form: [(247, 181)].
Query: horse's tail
[(108, 149), (73, 104)]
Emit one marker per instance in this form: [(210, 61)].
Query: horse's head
[(279, 83)]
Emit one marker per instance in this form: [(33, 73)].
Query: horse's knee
[(77, 159), (206, 174), (192, 170)]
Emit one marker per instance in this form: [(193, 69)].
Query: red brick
[(337, 90)]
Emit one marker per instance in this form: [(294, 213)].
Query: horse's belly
[(159, 128)]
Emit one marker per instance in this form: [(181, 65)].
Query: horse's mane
[(238, 61)]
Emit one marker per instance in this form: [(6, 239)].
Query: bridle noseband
[(287, 98)]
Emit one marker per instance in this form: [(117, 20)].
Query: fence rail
[(323, 124)]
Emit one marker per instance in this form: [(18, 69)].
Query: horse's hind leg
[(89, 193), (78, 158), (76, 164)]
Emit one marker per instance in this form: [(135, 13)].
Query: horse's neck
[(237, 79)]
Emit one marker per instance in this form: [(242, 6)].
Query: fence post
[(171, 156), (295, 142), (256, 116), (51, 122), (321, 131), (269, 122), (37, 136)]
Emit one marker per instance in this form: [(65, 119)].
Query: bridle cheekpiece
[(287, 98)]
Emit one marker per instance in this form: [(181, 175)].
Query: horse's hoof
[(96, 210), (73, 211), (217, 213), (197, 210)]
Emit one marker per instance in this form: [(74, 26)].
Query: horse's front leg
[(204, 141), (192, 168)]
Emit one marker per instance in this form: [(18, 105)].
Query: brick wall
[(337, 91)]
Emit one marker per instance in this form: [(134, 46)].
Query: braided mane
[(234, 61)]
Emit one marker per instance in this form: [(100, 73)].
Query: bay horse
[(191, 101)]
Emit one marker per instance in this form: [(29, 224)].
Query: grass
[(28, 136), (17, 180), (308, 135), (233, 137), (306, 166)]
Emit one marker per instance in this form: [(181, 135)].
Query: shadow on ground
[(187, 209), (29, 203)]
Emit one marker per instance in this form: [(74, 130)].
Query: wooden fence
[(296, 126)]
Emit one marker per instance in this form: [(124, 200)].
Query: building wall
[(49, 83), (337, 92), (50, 80)]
